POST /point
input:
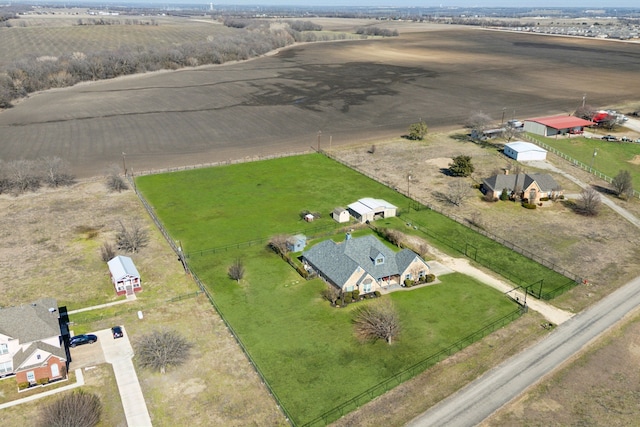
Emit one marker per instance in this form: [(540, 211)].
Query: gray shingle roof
[(338, 261), (21, 356), (521, 181), (31, 322)]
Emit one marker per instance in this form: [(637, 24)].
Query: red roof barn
[(554, 125)]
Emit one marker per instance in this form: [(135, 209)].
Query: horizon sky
[(586, 4)]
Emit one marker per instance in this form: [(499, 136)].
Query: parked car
[(117, 332), (82, 339), (516, 124), (609, 138), (626, 139), (576, 131)]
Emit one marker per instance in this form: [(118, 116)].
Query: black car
[(609, 138), (117, 332), (82, 339)]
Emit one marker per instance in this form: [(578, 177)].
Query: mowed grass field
[(352, 91), (305, 348), (610, 157)]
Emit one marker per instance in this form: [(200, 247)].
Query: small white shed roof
[(368, 204), (122, 266), (523, 147)]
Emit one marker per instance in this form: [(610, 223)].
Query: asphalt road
[(471, 405)]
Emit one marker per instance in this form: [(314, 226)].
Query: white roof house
[(124, 275), (523, 151), (369, 209)]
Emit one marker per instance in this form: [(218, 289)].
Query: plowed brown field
[(351, 91)]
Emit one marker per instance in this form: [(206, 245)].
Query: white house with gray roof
[(124, 275), (31, 344), (370, 209), (363, 263)]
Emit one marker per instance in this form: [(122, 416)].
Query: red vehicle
[(576, 131)]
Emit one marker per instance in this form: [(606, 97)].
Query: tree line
[(31, 74), (20, 176)]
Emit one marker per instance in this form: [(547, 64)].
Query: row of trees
[(376, 31), (20, 176), (32, 73)]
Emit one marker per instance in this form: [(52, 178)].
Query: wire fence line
[(247, 159), (575, 162), (372, 392), (203, 289), (413, 370), (463, 249)]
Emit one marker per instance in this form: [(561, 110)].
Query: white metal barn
[(370, 209), (523, 151)]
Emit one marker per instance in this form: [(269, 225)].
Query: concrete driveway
[(86, 355), (119, 353)]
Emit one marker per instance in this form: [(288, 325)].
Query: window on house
[(31, 377), (38, 356), (4, 348), (380, 260), (6, 368), (408, 276), (366, 288), (350, 288)]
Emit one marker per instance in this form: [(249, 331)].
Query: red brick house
[(31, 343), (124, 275)]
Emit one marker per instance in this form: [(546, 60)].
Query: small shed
[(124, 275), (296, 243), (523, 151), (340, 215)]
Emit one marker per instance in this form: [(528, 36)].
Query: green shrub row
[(528, 205)]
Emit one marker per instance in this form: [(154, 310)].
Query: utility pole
[(503, 110), (319, 133), (124, 163), (595, 153), (584, 99)]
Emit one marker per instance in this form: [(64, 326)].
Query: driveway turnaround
[(119, 353)]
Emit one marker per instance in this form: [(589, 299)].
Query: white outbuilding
[(523, 151), (370, 209)]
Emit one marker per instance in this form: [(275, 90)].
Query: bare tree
[(132, 238), (114, 181), (510, 133), (331, 293), (458, 191), (589, 202), (279, 243), (393, 236), (56, 172), (107, 251), (377, 320), (77, 409), (236, 270), (159, 350), (23, 175), (585, 112), (478, 121), (623, 184)]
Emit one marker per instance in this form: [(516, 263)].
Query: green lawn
[(610, 158), (305, 348)]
